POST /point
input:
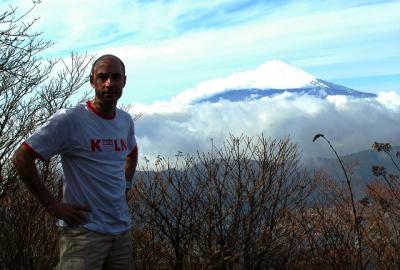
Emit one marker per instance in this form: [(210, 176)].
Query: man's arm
[(24, 163), (130, 167)]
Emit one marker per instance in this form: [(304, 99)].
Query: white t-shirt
[(93, 150)]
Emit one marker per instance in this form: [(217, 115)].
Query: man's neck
[(107, 109)]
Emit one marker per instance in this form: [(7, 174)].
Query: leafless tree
[(383, 226), (29, 92), (253, 187), (230, 208), (23, 69), (31, 89), (332, 242), (167, 207)]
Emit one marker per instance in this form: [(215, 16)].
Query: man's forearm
[(131, 163), (24, 164), (130, 168), (74, 214)]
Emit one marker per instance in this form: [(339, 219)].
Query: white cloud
[(352, 126), (339, 101), (390, 100)]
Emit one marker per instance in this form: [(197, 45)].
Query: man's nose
[(108, 82)]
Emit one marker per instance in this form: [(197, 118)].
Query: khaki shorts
[(82, 249)]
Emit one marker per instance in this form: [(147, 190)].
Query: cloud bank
[(351, 124)]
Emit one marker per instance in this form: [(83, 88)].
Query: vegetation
[(232, 208), (247, 204), (30, 91)]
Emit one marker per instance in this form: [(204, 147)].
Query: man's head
[(108, 78)]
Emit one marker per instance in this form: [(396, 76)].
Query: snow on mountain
[(272, 78), (276, 100), (317, 88), (274, 74)]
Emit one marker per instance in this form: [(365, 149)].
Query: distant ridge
[(317, 91), (361, 167)]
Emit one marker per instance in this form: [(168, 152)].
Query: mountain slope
[(359, 167), (272, 78)]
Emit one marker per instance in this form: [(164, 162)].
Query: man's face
[(108, 80)]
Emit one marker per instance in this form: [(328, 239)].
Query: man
[(98, 151)]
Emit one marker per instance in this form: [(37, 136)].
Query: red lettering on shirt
[(123, 145), (95, 145), (108, 145)]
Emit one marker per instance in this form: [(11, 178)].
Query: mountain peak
[(277, 74), (274, 74)]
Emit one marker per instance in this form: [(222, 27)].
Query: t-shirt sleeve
[(51, 138)]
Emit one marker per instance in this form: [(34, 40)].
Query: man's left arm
[(130, 167)]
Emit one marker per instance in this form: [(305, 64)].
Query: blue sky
[(170, 46), (175, 50)]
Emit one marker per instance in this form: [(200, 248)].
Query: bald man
[(98, 149)]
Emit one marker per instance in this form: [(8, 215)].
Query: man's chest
[(101, 139)]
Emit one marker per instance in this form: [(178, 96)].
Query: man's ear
[(91, 79), (124, 81)]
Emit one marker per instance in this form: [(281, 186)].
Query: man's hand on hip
[(73, 214)]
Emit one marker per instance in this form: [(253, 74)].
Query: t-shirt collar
[(93, 109)]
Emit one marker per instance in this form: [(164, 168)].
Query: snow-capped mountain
[(272, 78)]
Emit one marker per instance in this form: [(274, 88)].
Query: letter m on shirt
[(95, 145)]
